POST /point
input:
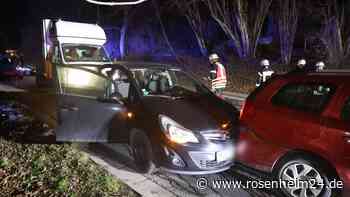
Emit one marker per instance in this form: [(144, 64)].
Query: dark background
[(17, 15), (21, 28)]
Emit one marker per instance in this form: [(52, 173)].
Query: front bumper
[(197, 159), (201, 172)]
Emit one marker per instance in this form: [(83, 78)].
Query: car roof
[(331, 76), (145, 65)]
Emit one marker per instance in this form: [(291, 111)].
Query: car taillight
[(247, 109), (347, 137), (242, 110)]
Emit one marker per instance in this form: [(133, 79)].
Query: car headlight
[(175, 132)]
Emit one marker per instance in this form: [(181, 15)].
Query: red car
[(297, 127)]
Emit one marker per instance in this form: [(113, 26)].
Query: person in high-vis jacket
[(265, 73), (217, 74)]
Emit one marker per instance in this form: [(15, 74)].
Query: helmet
[(213, 57), (302, 62), (320, 64), (265, 62)]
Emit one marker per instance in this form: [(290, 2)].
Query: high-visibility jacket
[(264, 75), (221, 80)]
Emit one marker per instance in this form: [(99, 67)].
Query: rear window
[(345, 114), (310, 97), (252, 96)]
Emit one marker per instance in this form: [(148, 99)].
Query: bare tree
[(287, 24), (333, 34), (162, 26), (191, 10), (126, 13), (242, 21), (124, 33)]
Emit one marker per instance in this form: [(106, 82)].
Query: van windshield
[(84, 53)]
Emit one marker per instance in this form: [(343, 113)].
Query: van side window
[(308, 97), (345, 114)]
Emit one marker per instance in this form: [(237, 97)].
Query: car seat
[(164, 84), (153, 86)]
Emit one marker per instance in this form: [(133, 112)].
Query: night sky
[(12, 16), (16, 14)]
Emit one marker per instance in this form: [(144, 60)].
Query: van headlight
[(175, 132)]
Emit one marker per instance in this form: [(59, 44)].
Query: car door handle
[(69, 108)]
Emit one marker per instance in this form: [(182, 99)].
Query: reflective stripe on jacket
[(221, 80)]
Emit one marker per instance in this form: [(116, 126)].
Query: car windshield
[(167, 82), (84, 53)]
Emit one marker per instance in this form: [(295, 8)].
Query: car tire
[(306, 168), (141, 150)]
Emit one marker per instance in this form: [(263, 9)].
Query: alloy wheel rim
[(307, 180)]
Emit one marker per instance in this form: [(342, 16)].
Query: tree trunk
[(123, 35), (241, 22), (287, 24), (164, 33), (192, 12)]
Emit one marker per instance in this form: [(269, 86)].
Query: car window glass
[(304, 97), (79, 82), (167, 82), (182, 80), (345, 115)]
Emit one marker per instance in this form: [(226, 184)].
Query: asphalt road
[(116, 158)]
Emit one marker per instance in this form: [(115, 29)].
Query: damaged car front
[(170, 120), (186, 129)]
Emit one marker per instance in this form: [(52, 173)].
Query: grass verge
[(54, 170)]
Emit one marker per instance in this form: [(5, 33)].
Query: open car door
[(88, 105)]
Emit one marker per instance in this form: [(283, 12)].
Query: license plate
[(224, 155)]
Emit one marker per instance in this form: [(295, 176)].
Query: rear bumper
[(345, 177), (344, 174)]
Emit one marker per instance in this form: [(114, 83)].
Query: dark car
[(8, 69), (26, 70), (169, 119), (297, 127)]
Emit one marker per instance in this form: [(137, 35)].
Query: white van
[(71, 43)]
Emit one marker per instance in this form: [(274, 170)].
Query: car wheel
[(310, 177), (142, 153)]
